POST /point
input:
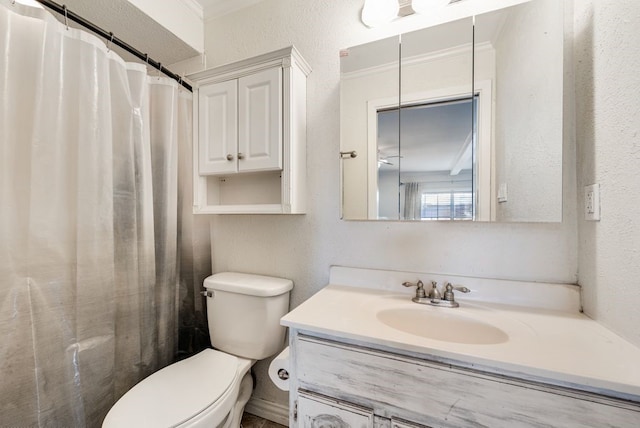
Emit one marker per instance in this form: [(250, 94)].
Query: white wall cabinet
[(250, 136), (393, 390)]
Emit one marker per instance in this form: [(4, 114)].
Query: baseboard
[(268, 410)]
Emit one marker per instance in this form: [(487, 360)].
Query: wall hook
[(66, 18), (109, 42)]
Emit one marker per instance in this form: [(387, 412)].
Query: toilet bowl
[(211, 388)]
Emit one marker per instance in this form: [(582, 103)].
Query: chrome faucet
[(434, 297), (434, 293)]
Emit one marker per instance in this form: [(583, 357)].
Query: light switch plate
[(502, 193), (592, 202)]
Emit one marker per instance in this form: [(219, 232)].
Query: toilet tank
[(244, 311)]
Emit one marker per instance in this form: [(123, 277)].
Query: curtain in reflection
[(89, 256), (412, 201)]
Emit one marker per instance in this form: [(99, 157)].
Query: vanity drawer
[(440, 395), (399, 423)]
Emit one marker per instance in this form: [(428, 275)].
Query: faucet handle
[(448, 291), (419, 288)]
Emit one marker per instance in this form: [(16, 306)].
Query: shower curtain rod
[(68, 14)]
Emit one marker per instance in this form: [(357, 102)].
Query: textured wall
[(608, 112), (303, 247)]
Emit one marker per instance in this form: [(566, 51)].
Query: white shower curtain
[(88, 221)]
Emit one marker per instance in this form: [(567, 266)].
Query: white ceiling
[(215, 8), (433, 137)]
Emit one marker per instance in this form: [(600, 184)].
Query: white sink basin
[(555, 344), (442, 324)]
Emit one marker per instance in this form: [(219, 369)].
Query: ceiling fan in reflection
[(385, 160)]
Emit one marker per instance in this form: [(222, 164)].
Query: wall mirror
[(461, 121)]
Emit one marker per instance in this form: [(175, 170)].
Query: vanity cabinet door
[(315, 411)]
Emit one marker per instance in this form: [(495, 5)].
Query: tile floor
[(251, 421)]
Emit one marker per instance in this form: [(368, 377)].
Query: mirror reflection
[(431, 174), (449, 129), (369, 74), (437, 173)]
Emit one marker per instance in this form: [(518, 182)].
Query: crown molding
[(216, 9), (195, 6)]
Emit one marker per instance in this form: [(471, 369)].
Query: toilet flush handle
[(207, 293)]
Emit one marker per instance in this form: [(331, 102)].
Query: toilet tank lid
[(244, 283)]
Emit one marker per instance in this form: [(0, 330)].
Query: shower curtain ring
[(109, 43), (66, 20), (159, 69)]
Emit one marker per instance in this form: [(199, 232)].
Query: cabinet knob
[(352, 154), (240, 156), (229, 157)]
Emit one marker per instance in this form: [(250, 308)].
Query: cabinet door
[(218, 128), (260, 116), (317, 412)]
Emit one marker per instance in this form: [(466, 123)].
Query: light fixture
[(424, 7), (378, 12)]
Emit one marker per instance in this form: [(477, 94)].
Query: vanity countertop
[(559, 347)]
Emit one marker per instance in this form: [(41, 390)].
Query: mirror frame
[(487, 202)]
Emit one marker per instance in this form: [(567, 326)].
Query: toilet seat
[(180, 393)]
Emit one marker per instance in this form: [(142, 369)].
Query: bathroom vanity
[(369, 357)]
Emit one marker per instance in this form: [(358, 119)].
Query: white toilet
[(211, 388)]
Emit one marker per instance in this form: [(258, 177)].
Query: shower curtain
[(90, 229)]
